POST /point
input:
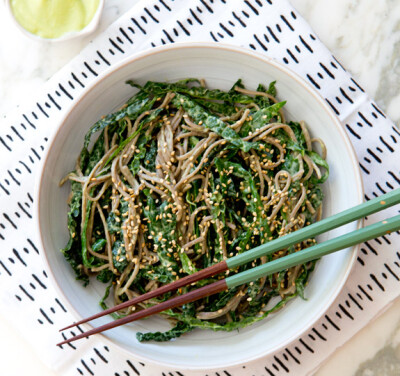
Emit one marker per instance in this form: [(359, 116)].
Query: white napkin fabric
[(273, 27)]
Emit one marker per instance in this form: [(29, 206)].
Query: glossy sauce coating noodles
[(182, 177)]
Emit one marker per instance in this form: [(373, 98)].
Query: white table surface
[(365, 37)]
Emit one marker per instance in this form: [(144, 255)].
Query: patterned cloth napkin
[(273, 27)]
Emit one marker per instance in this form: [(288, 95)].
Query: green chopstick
[(316, 251), (372, 206)]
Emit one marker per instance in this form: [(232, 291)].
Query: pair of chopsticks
[(306, 255)]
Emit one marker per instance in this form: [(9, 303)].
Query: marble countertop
[(363, 35)]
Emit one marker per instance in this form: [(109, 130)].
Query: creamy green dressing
[(53, 18)]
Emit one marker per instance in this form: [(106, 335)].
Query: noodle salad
[(182, 177)]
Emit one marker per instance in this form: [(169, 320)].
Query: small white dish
[(88, 29), (220, 65)]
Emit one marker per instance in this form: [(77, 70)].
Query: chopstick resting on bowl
[(306, 255)]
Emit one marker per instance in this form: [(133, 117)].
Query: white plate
[(220, 66)]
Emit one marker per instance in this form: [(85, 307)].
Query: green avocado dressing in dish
[(53, 18)]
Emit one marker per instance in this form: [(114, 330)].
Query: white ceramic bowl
[(220, 66), (88, 29)]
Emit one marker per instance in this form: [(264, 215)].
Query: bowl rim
[(217, 46), (88, 29)]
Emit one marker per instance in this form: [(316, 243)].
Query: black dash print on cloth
[(312, 81), (54, 102), (371, 248), (17, 133), (260, 43), (4, 143), (40, 283), (195, 17), (13, 178), (4, 189), (60, 304), (98, 353), (332, 323), (151, 15), (90, 69), (87, 367), (77, 80), (18, 256), (183, 28), (273, 35), (123, 32), (366, 121), (24, 210), (346, 96), (333, 107), (346, 312), (327, 71), (5, 215), (352, 79), (28, 121), (306, 45), (26, 293), (351, 130), (386, 144), (207, 6), (269, 371), (35, 153), (394, 177), (239, 19), (373, 277), (306, 346), (223, 27), (292, 56), (62, 88), (33, 245), (138, 25), (100, 55), (46, 317), (370, 152), (281, 364), (319, 334), (165, 5), (292, 356), (27, 168), (364, 169), (168, 36), (115, 45), (5, 268), (355, 302), (365, 293), (41, 109), (378, 110), (134, 369), (395, 276), (287, 23), (251, 7)]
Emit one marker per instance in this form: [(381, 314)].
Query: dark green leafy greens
[(193, 176)]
